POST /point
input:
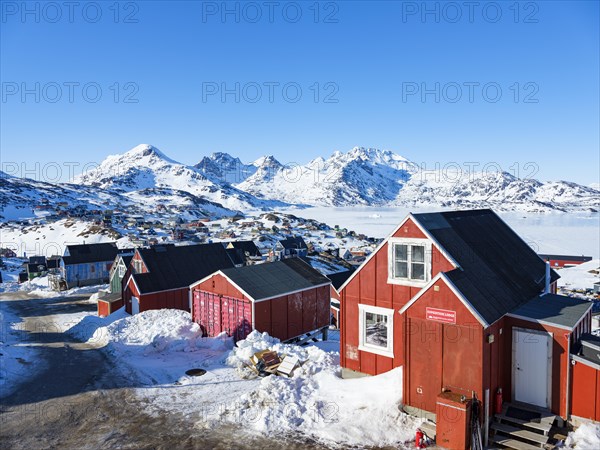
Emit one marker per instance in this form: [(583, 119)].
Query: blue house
[(87, 264), (291, 247)]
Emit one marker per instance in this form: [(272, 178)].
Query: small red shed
[(585, 360), (285, 298), (109, 304)]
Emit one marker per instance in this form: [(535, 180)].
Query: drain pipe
[(486, 431), (568, 399), (547, 285)]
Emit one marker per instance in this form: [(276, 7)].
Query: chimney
[(547, 288)]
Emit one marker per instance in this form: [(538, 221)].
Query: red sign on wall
[(440, 315)]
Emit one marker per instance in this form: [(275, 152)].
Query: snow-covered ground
[(157, 347), (586, 437), (16, 360), (582, 276), (50, 239)]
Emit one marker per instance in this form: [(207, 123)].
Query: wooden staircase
[(521, 427)]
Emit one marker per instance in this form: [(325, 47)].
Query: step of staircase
[(515, 432), (428, 428), (512, 443), (544, 427)]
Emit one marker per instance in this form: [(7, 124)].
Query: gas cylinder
[(498, 409), (419, 438)]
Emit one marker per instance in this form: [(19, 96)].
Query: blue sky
[(531, 70)]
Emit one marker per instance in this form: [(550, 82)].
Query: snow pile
[(155, 331), (38, 286), (315, 358), (580, 277), (318, 403), (586, 437)]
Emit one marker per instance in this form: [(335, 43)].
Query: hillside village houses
[(457, 300)]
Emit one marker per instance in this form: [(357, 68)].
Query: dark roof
[(339, 278), (37, 260), (587, 348), (88, 253), (172, 267), (237, 256), (267, 280), (33, 268), (53, 262), (579, 258), (126, 259), (498, 270), (248, 247), (554, 309), (295, 242)]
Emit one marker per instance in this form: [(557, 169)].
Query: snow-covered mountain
[(358, 177), (145, 167), (372, 177), (221, 184), (225, 168)]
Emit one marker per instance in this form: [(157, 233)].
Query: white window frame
[(362, 345), (391, 255)]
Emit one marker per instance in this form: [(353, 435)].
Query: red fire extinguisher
[(420, 439), (498, 401)]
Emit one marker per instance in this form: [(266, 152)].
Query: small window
[(121, 271), (410, 261), (376, 330)]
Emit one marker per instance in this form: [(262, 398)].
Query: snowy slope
[(19, 197), (146, 167), (358, 177), (366, 176)]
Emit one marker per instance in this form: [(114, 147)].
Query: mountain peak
[(267, 161), (147, 150)]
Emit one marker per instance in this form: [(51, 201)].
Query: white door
[(532, 360), (135, 305)]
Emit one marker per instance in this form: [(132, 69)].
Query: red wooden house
[(565, 260), (284, 298), (462, 303), (159, 277)]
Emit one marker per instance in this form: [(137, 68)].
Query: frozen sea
[(555, 233)]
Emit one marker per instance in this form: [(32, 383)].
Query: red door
[(236, 317), (424, 363), (207, 312), (216, 313)]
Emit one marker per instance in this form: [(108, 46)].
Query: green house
[(117, 271)]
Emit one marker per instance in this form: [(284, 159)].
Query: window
[(121, 271), (410, 261), (376, 327)]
